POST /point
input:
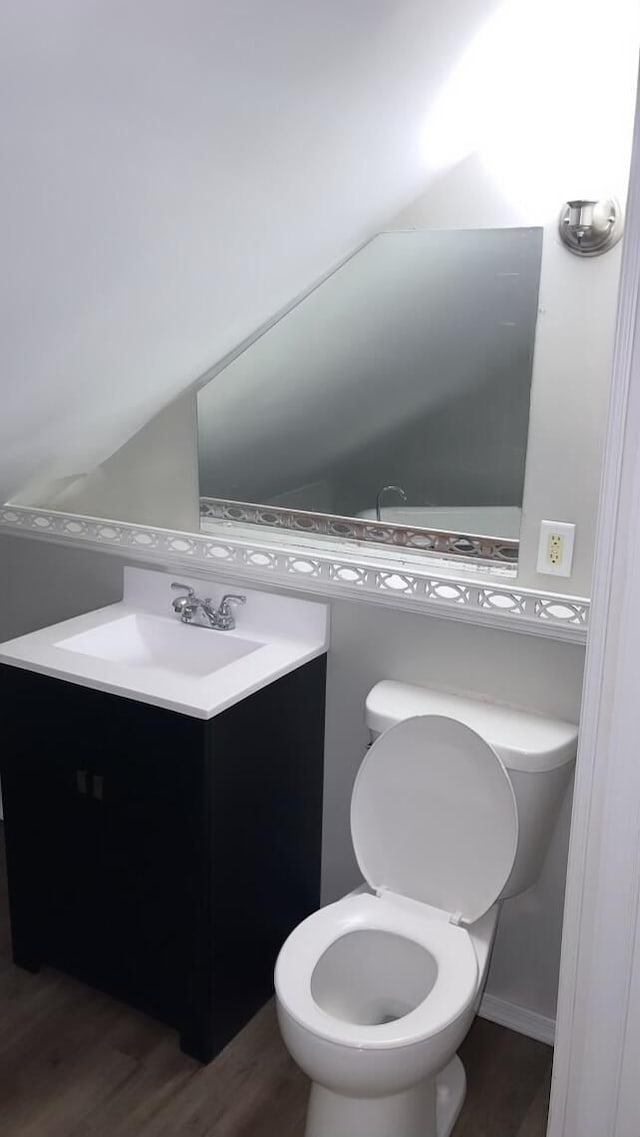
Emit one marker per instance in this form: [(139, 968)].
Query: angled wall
[(176, 172)]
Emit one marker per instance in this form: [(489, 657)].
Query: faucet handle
[(224, 616), (231, 599), (185, 587), (182, 602)]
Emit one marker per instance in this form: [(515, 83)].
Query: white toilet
[(452, 810)]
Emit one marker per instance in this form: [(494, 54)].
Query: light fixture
[(589, 228)]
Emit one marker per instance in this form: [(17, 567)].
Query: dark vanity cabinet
[(159, 857)]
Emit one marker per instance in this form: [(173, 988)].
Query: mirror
[(390, 404)]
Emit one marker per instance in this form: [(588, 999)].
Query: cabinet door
[(108, 792), (147, 783), (69, 899), (50, 834)]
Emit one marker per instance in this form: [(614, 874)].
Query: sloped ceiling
[(174, 172)]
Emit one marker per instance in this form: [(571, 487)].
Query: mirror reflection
[(391, 404)]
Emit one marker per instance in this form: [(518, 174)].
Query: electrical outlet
[(555, 551)]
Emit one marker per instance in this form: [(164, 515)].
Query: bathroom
[(151, 272)]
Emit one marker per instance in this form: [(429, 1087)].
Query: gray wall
[(41, 583), (469, 451)]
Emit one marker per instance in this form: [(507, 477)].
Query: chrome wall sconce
[(589, 228)]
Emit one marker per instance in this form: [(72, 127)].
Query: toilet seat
[(451, 995), (434, 817)]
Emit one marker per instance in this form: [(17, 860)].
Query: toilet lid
[(433, 816)]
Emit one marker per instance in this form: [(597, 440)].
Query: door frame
[(597, 1060)]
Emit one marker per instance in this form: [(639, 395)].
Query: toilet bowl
[(376, 992)]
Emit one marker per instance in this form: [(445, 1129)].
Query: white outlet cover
[(567, 531)]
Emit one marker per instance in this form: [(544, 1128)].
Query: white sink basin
[(139, 648), (143, 640)]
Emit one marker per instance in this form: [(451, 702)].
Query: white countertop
[(285, 632)]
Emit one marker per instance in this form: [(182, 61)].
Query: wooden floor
[(75, 1064)]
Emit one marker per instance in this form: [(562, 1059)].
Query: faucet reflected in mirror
[(382, 493), (203, 613)]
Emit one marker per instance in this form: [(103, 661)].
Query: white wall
[(41, 583), (153, 478)]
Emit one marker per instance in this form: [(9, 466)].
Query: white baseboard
[(518, 1018)]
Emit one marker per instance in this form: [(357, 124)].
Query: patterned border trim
[(460, 546), (328, 573)]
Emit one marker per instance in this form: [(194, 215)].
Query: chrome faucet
[(386, 489), (203, 613)]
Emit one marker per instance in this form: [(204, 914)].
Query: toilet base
[(429, 1109), (451, 1089)]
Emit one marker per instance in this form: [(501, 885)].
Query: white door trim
[(598, 1024)]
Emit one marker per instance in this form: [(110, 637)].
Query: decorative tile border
[(475, 597), (455, 546)]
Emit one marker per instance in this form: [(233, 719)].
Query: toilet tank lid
[(524, 741)]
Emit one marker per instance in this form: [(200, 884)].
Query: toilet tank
[(538, 754)]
